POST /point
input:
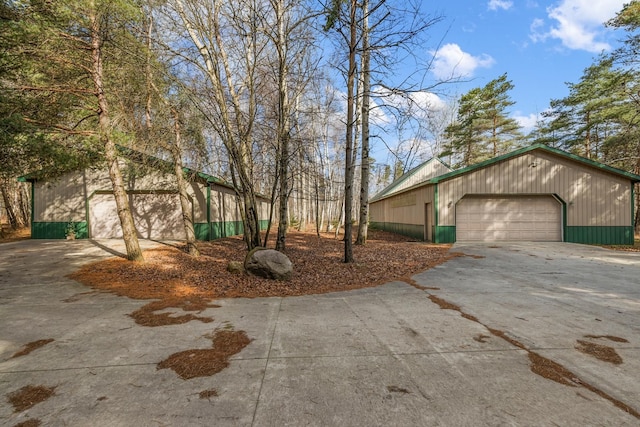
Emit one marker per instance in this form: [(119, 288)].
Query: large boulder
[(268, 263)]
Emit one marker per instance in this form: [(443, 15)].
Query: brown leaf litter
[(29, 396), (148, 316), (34, 345), (608, 337), (29, 423), (206, 394), (206, 362), (599, 351), (318, 268)]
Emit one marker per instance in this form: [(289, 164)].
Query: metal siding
[(430, 169), (60, 200), (592, 196)]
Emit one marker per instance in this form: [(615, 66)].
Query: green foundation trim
[(444, 234), (201, 230), (415, 231), (607, 235), (58, 230), (218, 230)]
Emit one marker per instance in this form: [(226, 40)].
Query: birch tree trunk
[(283, 127), (364, 167), (348, 163)]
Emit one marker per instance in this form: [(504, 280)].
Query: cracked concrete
[(379, 356)]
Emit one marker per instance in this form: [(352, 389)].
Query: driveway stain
[(541, 365)]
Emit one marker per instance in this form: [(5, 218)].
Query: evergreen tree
[(482, 128)]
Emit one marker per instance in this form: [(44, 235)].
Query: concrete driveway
[(382, 356)]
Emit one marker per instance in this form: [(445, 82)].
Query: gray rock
[(268, 263)]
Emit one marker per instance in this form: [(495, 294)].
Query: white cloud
[(578, 24), (452, 62), (527, 122), (429, 100), (500, 4)]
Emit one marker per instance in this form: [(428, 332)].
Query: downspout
[(633, 214), (33, 201), (436, 209), (208, 211)]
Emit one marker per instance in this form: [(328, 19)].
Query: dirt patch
[(318, 268), (410, 281), (608, 337), (396, 389), (206, 362), (79, 296), (34, 345), (206, 394), (29, 396), (29, 423), (7, 234), (627, 248), (148, 316), (481, 338), (600, 352)]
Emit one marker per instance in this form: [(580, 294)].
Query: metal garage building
[(536, 193), (84, 200)]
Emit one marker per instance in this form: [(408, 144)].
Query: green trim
[(603, 235), (444, 234), (633, 207), (222, 229), (415, 231), (58, 230), (436, 213), (201, 230), (33, 201), (524, 150), (208, 237)]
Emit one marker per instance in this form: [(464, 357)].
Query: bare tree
[(228, 50)]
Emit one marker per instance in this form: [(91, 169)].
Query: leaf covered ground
[(168, 272)]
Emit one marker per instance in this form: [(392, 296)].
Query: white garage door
[(156, 216), (518, 218)]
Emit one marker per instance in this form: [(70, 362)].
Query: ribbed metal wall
[(593, 197)]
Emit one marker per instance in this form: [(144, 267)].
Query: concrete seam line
[(266, 363)]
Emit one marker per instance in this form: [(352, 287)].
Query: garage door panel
[(156, 216), (508, 219)]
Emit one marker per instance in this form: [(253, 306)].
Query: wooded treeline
[(282, 98)]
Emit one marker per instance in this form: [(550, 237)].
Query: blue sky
[(540, 44)]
